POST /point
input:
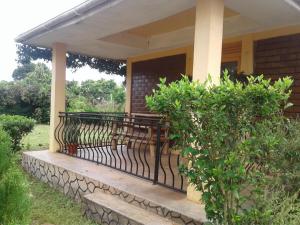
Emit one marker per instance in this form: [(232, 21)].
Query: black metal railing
[(135, 144)]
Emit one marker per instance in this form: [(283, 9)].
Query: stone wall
[(77, 186)]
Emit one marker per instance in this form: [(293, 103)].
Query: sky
[(18, 16)]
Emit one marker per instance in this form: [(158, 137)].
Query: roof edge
[(71, 16)]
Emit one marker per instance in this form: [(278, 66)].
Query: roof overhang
[(124, 28)]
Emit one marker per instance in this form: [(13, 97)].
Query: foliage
[(29, 94), (22, 70), (275, 207), (80, 104), (10, 98), (17, 127), (73, 90), (28, 53), (285, 208), (119, 96), (225, 134), (36, 92), (14, 198), (283, 160), (95, 95), (275, 201), (97, 91), (5, 152)]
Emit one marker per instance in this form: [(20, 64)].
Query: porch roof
[(123, 28)]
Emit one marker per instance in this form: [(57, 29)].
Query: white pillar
[(207, 51), (58, 96), (247, 55), (208, 40), (128, 86)]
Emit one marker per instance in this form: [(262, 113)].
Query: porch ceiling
[(124, 28)]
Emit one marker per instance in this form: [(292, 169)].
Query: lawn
[(38, 139), (52, 207), (49, 206)]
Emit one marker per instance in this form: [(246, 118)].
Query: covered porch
[(160, 39), (133, 144)]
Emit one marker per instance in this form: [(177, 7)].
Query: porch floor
[(138, 162), (143, 189)]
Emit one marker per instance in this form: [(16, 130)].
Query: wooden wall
[(278, 57), (146, 74)]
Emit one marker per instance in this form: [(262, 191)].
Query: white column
[(247, 55), (208, 40), (207, 51), (128, 86), (58, 96)]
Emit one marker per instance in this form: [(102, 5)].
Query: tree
[(119, 95), (29, 96), (28, 53), (37, 89), (22, 70), (98, 91), (73, 89)]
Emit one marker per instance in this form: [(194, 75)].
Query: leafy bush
[(29, 94), (17, 127), (5, 153), (14, 198), (225, 132), (283, 160), (275, 207), (81, 104)]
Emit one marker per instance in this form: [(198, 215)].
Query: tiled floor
[(138, 162)]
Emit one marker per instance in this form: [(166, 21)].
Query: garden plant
[(244, 154), (17, 127), (14, 193)]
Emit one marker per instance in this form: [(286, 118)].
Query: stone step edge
[(127, 197), (102, 206)]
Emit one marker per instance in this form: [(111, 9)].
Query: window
[(232, 68)]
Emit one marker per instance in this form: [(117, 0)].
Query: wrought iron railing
[(135, 144)]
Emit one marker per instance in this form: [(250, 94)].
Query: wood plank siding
[(146, 74), (278, 57)]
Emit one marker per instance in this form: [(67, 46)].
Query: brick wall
[(146, 74), (278, 57)]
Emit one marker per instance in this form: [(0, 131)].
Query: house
[(156, 38)]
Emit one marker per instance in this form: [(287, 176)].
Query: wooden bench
[(134, 134)]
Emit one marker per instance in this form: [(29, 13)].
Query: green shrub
[(15, 201), (5, 152), (17, 127), (81, 104), (275, 207), (14, 198), (285, 208), (225, 134), (283, 160)]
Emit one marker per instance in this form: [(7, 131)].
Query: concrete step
[(110, 210), (78, 178)]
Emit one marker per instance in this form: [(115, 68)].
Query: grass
[(49, 206), (38, 139)]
